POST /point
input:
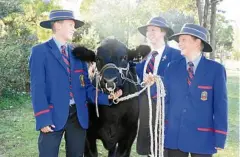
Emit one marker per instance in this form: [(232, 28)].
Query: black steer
[(117, 124)]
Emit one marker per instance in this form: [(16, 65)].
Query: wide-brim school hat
[(59, 15), (196, 31), (158, 22)]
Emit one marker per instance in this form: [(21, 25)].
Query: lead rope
[(157, 141), (157, 145)]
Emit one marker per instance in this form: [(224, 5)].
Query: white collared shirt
[(156, 63), (71, 101)]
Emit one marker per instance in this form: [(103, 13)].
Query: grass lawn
[(18, 137)]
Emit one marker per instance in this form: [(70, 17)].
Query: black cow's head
[(113, 60)]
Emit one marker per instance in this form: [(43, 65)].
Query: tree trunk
[(213, 28), (199, 4), (205, 16)]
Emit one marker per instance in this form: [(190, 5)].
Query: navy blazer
[(197, 114), (50, 87), (169, 54)]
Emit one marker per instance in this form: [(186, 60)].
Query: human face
[(155, 35), (65, 29), (189, 45)]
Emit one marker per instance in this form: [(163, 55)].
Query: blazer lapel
[(142, 70), (56, 53), (164, 61), (72, 58), (182, 73), (200, 71)]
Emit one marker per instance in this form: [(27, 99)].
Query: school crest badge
[(81, 77), (204, 96)]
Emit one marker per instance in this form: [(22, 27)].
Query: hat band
[(195, 30), (61, 17), (59, 14), (158, 23)]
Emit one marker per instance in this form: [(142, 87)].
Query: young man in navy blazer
[(60, 89), (156, 31), (196, 99)]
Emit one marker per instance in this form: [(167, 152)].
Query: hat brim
[(47, 23), (207, 46), (143, 29)]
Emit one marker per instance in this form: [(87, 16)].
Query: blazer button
[(184, 110)]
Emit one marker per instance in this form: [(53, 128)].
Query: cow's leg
[(112, 152), (125, 145), (90, 146)]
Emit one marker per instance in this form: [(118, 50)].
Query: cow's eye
[(124, 58), (97, 60), (98, 63)]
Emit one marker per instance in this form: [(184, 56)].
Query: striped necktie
[(67, 62), (190, 73), (151, 62)]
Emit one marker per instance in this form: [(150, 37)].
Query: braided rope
[(156, 145)]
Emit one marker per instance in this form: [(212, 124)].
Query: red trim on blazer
[(205, 87), (79, 71), (212, 130), (42, 112), (50, 106), (221, 132)]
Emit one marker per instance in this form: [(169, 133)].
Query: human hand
[(217, 148), (47, 129), (91, 69), (115, 95), (149, 79)]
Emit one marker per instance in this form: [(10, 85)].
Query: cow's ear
[(140, 52), (84, 54), (143, 50)]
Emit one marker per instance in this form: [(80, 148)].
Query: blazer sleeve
[(37, 77), (91, 91), (220, 106)]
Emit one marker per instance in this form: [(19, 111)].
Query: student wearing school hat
[(156, 32), (60, 88), (196, 100)]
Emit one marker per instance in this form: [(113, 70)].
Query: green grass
[(18, 137)]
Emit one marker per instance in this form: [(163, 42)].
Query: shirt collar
[(196, 60), (160, 51), (58, 43)]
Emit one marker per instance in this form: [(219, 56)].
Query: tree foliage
[(224, 33), (20, 30)]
